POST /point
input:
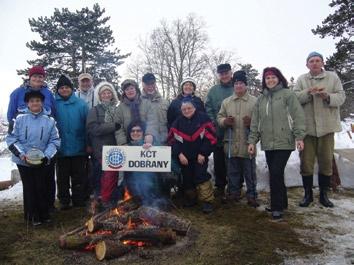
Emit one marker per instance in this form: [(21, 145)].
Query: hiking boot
[(207, 208), (234, 197), (252, 202), (277, 216)]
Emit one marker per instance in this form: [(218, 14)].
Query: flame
[(134, 243), (127, 195), (90, 247)]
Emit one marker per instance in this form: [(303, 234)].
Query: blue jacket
[(17, 102), (71, 119), (33, 131)]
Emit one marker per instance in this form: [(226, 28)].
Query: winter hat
[(313, 54), (221, 68), (34, 94), (149, 78), (36, 70), (239, 76), (64, 81), (128, 82), (85, 76), (189, 79), (105, 86)]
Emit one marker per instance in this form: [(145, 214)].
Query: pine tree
[(338, 25), (75, 42)]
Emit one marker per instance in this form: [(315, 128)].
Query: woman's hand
[(201, 159), (251, 149), (300, 145), (147, 145), (183, 159), (148, 139)]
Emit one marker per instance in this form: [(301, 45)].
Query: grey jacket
[(159, 109), (321, 117)]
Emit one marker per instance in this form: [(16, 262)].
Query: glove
[(45, 161), (229, 121), (117, 126), (246, 121)]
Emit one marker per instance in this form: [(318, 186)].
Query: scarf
[(134, 107)]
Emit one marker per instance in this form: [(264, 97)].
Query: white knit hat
[(189, 79)]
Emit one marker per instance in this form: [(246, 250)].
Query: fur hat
[(128, 82), (240, 76)]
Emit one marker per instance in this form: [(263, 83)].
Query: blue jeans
[(239, 167)]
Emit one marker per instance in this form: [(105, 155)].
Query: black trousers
[(50, 183), (220, 167), (276, 160), (35, 192), (72, 173), (194, 174)]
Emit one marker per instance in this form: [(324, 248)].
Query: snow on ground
[(334, 229)]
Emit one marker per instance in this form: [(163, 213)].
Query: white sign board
[(136, 158)]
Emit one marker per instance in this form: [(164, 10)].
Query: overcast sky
[(260, 32)]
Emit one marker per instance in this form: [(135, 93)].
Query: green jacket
[(122, 115), (237, 107), (277, 120), (159, 109), (321, 117), (213, 102)]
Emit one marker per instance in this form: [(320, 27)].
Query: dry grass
[(233, 234)]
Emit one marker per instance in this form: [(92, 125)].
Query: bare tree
[(175, 51)]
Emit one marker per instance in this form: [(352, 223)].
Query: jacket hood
[(110, 87)]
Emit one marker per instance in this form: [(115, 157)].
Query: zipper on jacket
[(41, 133), (26, 132)]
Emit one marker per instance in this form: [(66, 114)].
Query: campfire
[(127, 228)]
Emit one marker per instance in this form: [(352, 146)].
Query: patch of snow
[(6, 165), (12, 194)]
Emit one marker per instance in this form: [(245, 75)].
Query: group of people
[(60, 131)]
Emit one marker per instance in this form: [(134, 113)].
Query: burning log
[(154, 236), (130, 204), (164, 219), (107, 225), (108, 249)]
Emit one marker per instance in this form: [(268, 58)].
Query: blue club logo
[(115, 158)]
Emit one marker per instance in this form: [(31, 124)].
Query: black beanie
[(64, 81), (239, 76)]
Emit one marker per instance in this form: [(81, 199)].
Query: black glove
[(117, 126)]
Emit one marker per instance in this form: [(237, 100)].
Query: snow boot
[(307, 182), (324, 182)]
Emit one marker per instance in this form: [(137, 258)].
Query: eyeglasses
[(136, 131)]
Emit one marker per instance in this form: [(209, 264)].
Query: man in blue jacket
[(72, 157)]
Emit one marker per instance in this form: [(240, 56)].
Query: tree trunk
[(108, 249)]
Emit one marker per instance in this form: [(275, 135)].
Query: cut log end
[(108, 249)]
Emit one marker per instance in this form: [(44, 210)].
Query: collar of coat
[(245, 97), (154, 97), (319, 76)]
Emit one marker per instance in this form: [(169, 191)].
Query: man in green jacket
[(321, 94), (215, 96), (235, 115)]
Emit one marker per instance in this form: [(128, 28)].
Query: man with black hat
[(235, 115), (72, 157), (158, 103), (215, 96), (321, 94)]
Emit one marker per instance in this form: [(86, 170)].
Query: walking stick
[(229, 136)]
